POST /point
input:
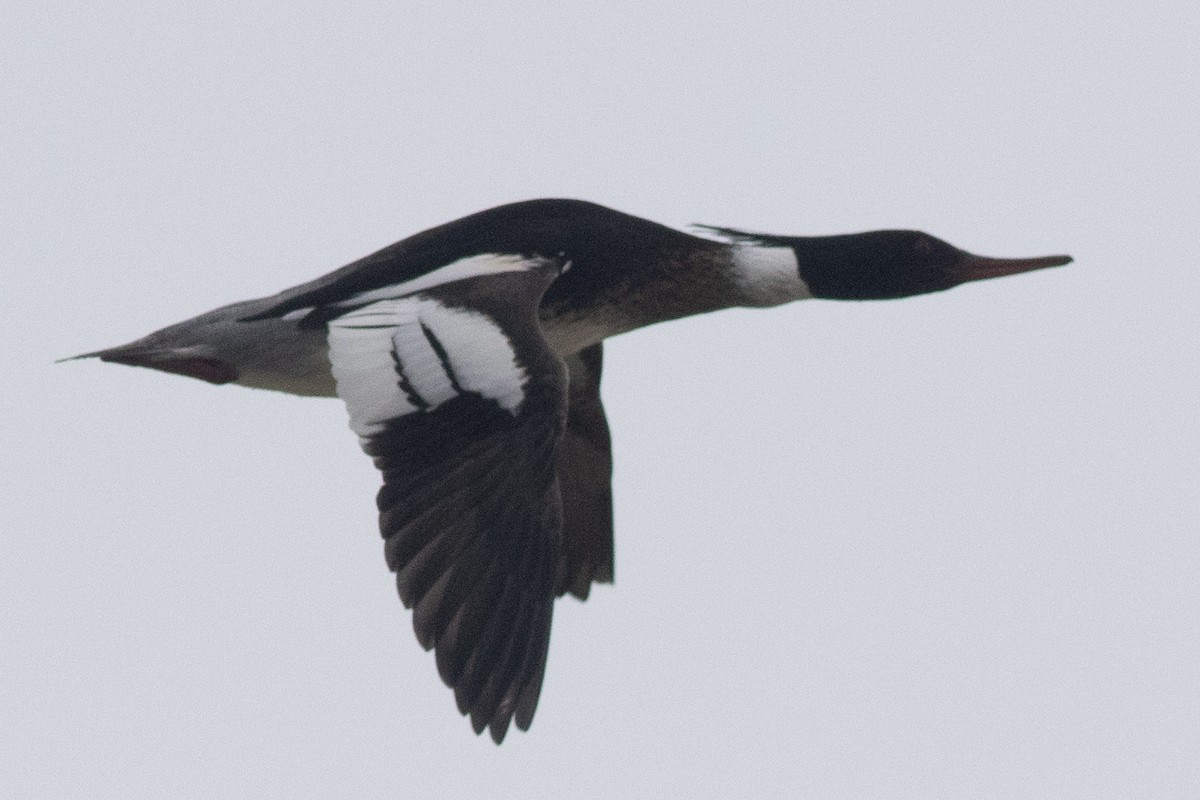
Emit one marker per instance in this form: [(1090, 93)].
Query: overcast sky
[(937, 547)]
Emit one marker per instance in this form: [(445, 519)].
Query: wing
[(584, 467), (461, 403)]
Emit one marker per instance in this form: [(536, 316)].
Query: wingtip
[(499, 728)]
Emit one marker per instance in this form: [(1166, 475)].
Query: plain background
[(938, 547)]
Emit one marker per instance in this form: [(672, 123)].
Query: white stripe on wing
[(470, 267)]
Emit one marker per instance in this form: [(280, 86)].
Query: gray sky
[(939, 547)]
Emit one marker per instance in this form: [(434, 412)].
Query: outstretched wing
[(461, 403), (584, 466)]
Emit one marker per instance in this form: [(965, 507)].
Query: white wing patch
[(470, 267), (386, 360), (362, 358), (480, 355)]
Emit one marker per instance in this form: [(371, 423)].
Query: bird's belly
[(569, 332), (296, 364)]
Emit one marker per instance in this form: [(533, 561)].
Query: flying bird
[(469, 359)]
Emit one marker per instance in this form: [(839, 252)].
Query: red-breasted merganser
[(469, 358)]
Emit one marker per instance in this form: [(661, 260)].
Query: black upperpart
[(602, 245)]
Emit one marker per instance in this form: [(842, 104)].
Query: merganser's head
[(886, 264), (881, 265)]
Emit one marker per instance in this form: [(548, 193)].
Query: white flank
[(370, 346), (768, 276), (473, 266)]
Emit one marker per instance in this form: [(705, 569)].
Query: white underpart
[(571, 331), (369, 347), (768, 276), (471, 267)]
